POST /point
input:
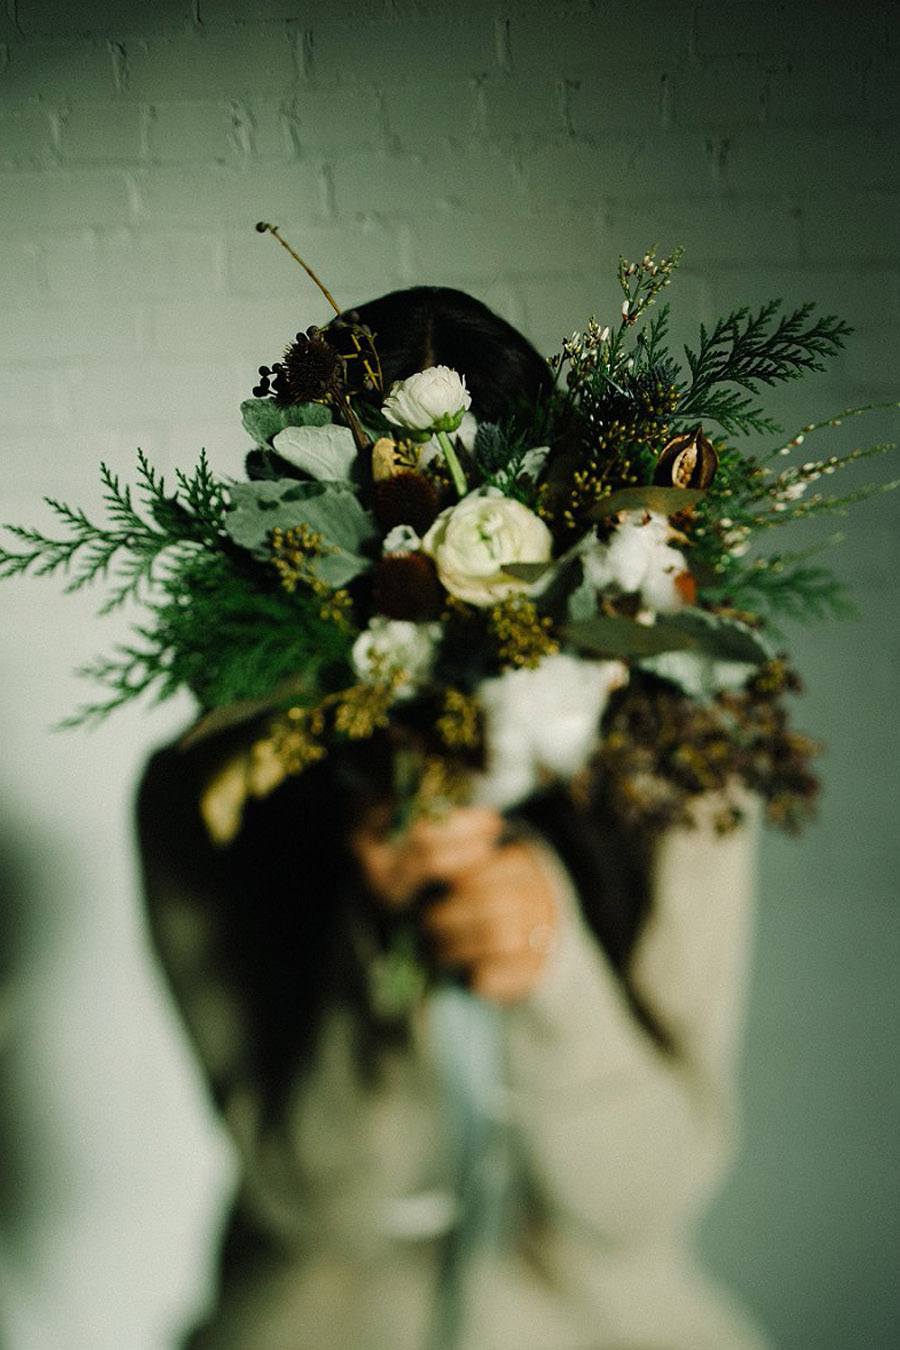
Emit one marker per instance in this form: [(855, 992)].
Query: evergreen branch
[(732, 410), (749, 350), (650, 344), (127, 677), (132, 542), (775, 586), (44, 558)]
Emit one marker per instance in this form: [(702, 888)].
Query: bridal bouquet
[(567, 596)]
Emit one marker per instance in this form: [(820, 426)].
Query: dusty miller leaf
[(326, 453), (330, 508)]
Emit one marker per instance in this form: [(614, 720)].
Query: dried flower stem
[(263, 227)]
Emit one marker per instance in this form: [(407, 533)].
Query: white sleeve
[(618, 1135)]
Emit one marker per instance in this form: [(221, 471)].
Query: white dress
[(601, 1146)]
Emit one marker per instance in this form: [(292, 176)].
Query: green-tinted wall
[(513, 150)]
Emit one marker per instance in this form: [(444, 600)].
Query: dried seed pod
[(384, 459), (406, 586), (687, 461), (406, 498)]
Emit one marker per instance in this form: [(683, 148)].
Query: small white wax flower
[(431, 400), (473, 540), (793, 491), (391, 645), (542, 721), (401, 539), (638, 557)]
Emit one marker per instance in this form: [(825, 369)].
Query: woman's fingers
[(498, 924), (506, 981), (431, 850)]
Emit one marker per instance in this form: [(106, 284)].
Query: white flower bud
[(431, 400)]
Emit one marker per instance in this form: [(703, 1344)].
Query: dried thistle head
[(311, 372)]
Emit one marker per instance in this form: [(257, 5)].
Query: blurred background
[(513, 150)]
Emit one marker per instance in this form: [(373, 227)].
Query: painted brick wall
[(513, 149)]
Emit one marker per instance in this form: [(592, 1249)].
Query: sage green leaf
[(666, 501), (721, 638), (626, 638), (332, 509), (726, 655), (326, 453), (527, 571), (690, 630), (263, 418), (582, 601)]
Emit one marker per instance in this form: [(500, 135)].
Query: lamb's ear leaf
[(263, 418), (331, 509)]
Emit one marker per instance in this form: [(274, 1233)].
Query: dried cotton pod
[(384, 458), (687, 461)]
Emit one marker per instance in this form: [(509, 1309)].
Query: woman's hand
[(499, 917)]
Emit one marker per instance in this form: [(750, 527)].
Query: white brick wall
[(514, 148)]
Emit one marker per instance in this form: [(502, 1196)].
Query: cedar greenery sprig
[(749, 350), (236, 638), (192, 516), (783, 584)]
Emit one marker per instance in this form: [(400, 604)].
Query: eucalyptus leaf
[(667, 501), (263, 418), (527, 571), (325, 452), (582, 601), (721, 638), (625, 637)]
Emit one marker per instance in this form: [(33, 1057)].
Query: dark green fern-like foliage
[(220, 624), (745, 350), (226, 632), (130, 544)]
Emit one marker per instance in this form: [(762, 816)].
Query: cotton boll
[(638, 558), (543, 721)]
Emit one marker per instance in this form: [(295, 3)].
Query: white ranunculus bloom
[(467, 429), (389, 645), (471, 541), (639, 557), (432, 399), (542, 720)]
